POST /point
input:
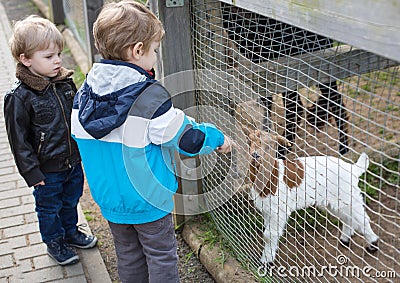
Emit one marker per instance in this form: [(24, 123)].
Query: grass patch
[(378, 176), (78, 77), (311, 218), (88, 215)]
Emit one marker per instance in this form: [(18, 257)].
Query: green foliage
[(221, 259), (310, 218), (88, 215), (78, 77), (211, 236), (374, 178), (188, 256)]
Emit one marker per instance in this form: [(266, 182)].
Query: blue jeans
[(56, 203)]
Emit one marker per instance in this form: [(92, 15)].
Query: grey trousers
[(146, 252)]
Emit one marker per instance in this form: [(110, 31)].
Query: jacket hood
[(37, 82), (109, 91)]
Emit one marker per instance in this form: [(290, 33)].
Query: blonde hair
[(34, 34), (122, 25)]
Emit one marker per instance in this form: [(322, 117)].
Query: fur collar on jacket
[(36, 82)]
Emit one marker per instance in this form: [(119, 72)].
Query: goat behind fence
[(294, 70)]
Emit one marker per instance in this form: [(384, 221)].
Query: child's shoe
[(61, 253), (80, 240)]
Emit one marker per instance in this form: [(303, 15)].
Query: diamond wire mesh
[(75, 18), (327, 98)]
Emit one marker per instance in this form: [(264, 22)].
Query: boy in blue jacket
[(127, 130)]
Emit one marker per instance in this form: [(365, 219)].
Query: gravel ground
[(190, 268)]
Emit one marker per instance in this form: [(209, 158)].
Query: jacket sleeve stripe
[(165, 127), (132, 133)]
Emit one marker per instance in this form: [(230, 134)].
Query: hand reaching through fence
[(227, 146)]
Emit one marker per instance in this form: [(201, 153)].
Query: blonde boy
[(37, 113), (127, 130)]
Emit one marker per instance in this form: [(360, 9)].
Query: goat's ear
[(262, 182), (254, 136)]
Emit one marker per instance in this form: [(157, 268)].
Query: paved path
[(23, 256)]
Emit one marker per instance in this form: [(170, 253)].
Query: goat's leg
[(336, 106), (274, 228), (271, 240), (293, 112), (361, 223), (347, 232), (266, 102), (318, 114)]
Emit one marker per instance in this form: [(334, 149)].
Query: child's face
[(45, 63), (149, 59)]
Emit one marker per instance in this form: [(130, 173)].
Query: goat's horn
[(282, 140)]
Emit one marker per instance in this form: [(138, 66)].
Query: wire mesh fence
[(326, 98), (76, 19)]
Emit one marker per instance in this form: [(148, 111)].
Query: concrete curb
[(228, 272), (92, 262)]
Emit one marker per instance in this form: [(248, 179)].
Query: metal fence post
[(176, 52), (93, 8), (57, 15)]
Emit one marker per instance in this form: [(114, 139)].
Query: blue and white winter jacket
[(127, 131)]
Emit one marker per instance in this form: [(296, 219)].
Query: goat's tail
[(361, 165)]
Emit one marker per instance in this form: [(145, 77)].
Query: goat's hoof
[(343, 149), (372, 248), (345, 243)]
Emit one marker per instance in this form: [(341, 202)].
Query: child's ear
[(24, 60), (137, 50)]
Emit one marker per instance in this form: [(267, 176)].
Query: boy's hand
[(40, 183), (228, 145)]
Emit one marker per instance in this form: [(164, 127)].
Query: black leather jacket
[(38, 121)]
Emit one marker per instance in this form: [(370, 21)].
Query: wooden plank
[(215, 51), (248, 80), (93, 8), (56, 12), (367, 24), (294, 72)]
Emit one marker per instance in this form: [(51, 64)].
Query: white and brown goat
[(280, 187)]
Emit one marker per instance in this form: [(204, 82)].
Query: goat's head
[(263, 165)]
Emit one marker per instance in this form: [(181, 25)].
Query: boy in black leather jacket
[(37, 112)]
